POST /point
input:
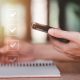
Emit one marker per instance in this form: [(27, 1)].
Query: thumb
[(73, 36)]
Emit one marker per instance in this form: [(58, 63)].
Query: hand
[(24, 52), (71, 49)]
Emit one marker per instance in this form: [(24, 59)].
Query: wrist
[(41, 51), (37, 51)]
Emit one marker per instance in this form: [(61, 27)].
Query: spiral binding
[(28, 64)]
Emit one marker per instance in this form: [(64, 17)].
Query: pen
[(45, 28)]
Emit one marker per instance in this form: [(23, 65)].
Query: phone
[(45, 28)]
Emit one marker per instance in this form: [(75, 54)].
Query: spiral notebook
[(38, 68)]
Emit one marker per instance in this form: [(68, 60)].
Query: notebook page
[(43, 70)]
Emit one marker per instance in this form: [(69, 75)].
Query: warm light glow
[(13, 20), (39, 14), (1, 36)]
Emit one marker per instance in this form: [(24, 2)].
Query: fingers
[(62, 46), (73, 36), (57, 43), (3, 50), (7, 39)]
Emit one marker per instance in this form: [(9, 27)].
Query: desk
[(69, 71)]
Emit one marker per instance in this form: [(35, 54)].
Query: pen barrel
[(60, 39), (45, 28)]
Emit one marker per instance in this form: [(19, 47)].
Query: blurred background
[(56, 13)]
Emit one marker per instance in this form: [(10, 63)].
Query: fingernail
[(51, 31)]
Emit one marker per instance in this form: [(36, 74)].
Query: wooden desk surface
[(69, 71)]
